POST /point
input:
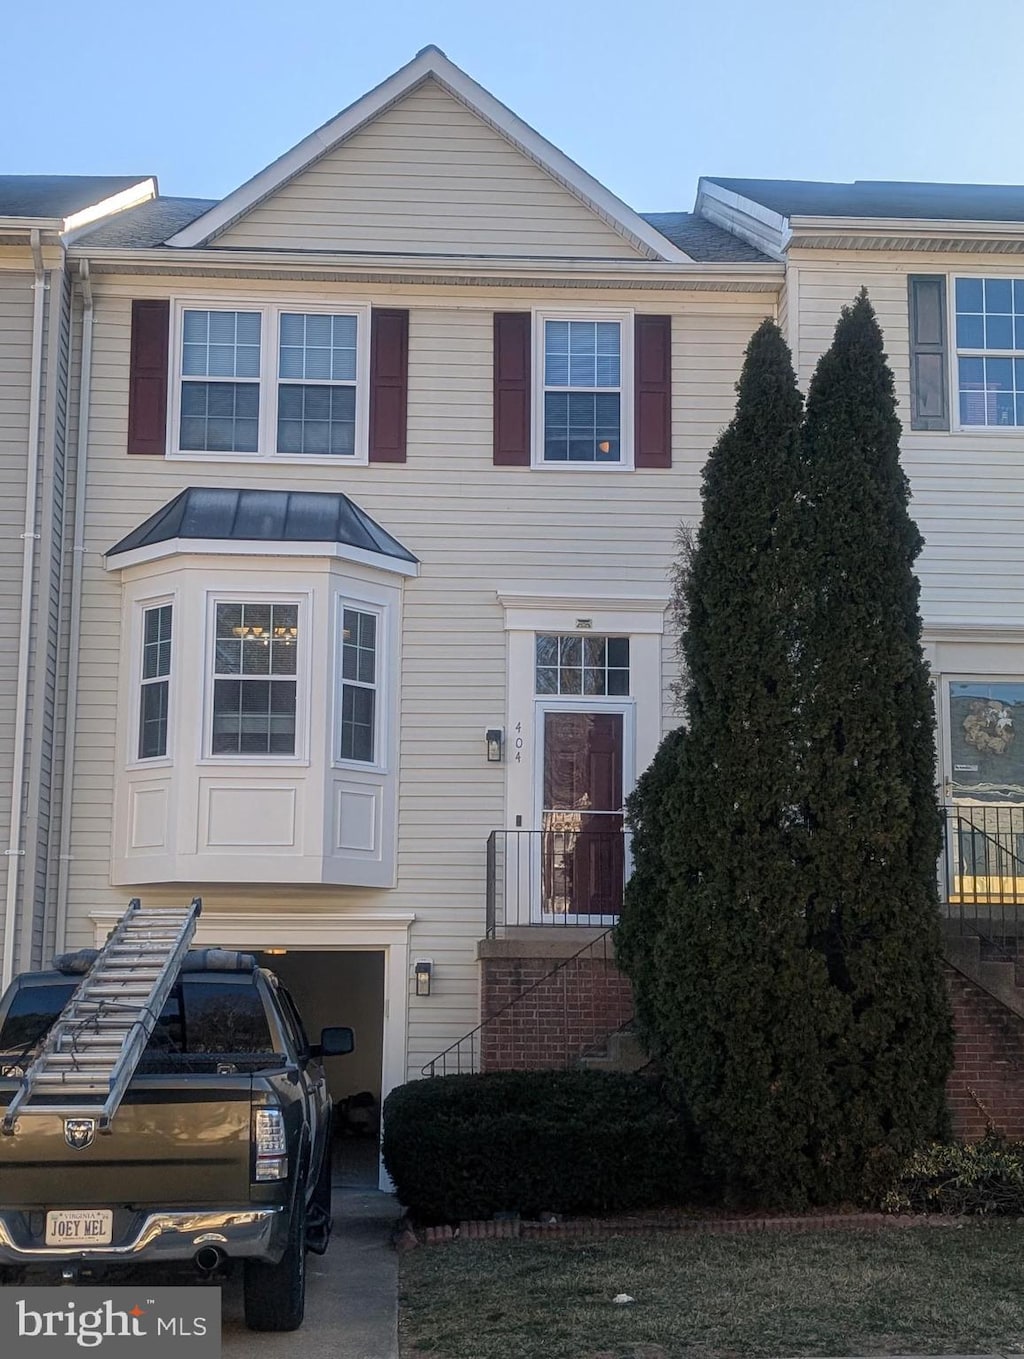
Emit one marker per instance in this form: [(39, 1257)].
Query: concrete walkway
[(351, 1292)]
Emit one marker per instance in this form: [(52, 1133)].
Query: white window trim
[(303, 678), (381, 732), (140, 607), (270, 311), (624, 316), (955, 425)]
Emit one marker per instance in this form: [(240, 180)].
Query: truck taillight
[(269, 1144)]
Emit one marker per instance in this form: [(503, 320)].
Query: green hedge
[(464, 1147), (973, 1177)]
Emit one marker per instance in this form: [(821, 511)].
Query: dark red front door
[(582, 855)]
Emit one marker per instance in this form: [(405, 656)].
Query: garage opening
[(339, 986)]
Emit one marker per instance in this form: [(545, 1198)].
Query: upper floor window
[(254, 679), (584, 366), (584, 665), (154, 697), (272, 382), (990, 351)]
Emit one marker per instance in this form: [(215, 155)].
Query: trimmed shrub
[(527, 1142), (984, 1177)]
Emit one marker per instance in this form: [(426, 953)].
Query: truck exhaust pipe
[(208, 1259)]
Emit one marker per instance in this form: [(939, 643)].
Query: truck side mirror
[(337, 1042)]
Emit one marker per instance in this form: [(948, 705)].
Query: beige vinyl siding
[(15, 369), (967, 486), (477, 529), (429, 177)]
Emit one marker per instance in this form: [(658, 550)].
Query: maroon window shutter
[(512, 339), (653, 394), (147, 378), (389, 383)]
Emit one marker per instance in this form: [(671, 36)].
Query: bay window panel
[(154, 696), (358, 690), (255, 714)]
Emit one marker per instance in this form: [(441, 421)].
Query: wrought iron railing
[(982, 871), (546, 1026), (555, 877)]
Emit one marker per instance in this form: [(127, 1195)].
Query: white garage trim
[(316, 931)]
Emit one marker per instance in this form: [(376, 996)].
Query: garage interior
[(341, 986)]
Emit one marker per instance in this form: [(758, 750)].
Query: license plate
[(80, 1227)]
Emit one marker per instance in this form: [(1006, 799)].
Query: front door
[(583, 858)]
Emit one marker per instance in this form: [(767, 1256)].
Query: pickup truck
[(220, 1150)]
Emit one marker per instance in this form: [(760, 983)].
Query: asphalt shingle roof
[(58, 196), (147, 225), (229, 514), (883, 198), (703, 240)]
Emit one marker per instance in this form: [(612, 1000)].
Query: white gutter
[(15, 851), (75, 630)]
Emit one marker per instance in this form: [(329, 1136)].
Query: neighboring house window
[(254, 679), (584, 665), (154, 696), (220, 390), (583, 407), (358, 686), (271, 382), (990, 351)]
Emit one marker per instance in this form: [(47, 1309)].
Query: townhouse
[(356, 495)]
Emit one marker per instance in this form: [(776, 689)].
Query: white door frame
[(322, 932)]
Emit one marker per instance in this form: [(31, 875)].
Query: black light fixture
[(495, 738), (423, 969)]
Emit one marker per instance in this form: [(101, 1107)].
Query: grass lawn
[(917, 1290)]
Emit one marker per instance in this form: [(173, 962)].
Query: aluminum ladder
[(93, 1048)]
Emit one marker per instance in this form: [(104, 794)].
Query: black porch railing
[(982, 871), (555, 877)]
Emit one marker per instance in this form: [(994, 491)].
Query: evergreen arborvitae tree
[(737, 1008), (872, 822)]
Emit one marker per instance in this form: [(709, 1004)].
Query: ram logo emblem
[(79, 1132)]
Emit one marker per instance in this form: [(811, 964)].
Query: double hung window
[(254, 679), (359, 667), (990, 351), (583, 402), (273, 382), (155, 683)]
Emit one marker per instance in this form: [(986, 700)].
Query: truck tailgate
[(173, 1142)]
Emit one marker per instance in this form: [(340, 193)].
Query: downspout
[(15, 851), (75, 629)]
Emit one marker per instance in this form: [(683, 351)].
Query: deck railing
[(982, 871)]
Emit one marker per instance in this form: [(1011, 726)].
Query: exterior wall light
[(495, 737), (423, 969)]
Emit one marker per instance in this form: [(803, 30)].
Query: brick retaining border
[(506, 1229)]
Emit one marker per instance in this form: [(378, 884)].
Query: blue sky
[(646, 94)]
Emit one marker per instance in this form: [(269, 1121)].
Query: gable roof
[(893, 199), (223, 514), (70, 201), (431, 62)]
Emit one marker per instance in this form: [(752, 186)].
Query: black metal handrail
[(982, 871), (466, 1055), (568, 875)]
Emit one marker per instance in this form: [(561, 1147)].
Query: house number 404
[(517, 744)]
